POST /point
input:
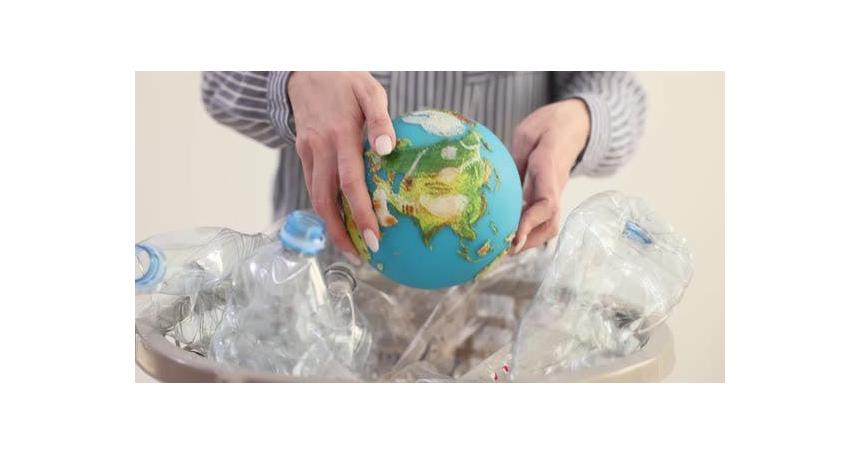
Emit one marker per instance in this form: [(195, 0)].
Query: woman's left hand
[(546, 145)]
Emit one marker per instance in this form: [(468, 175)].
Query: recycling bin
[(157, 359)]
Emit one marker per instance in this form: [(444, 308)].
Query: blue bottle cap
[(635, 232), (150, 265), (303, 232)]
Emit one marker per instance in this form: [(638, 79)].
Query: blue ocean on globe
[(448, 200)]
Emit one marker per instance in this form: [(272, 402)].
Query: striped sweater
[(255, 104)]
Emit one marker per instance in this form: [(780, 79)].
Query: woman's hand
[(546, 145), (331, 111)]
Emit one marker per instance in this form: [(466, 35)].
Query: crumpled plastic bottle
[(281, 317), (617, 272), (388, 324), (179, 275)]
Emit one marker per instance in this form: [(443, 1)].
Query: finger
[(306, 143), (534, 216), (307, 171), (350, 168), (374, 104), (324, 199), (541, 206), (527, 192), (525, 140), (542, 234)]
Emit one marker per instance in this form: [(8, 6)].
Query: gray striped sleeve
[(616, 103), (280, 112), (255, 103), (251, 102)]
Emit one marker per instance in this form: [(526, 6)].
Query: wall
[(191, 171)]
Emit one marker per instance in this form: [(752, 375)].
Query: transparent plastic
[(285, 302), (281, 316), (179, 277), (617, 272), (469, 324)]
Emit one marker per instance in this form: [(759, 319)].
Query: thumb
[(541, 198)]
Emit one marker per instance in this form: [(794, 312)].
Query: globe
[(447, 198)]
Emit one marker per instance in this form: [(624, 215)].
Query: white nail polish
[(383, 145), (520, 244), (371, 240), (352, 259)]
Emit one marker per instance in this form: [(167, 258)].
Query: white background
[(67, 191)]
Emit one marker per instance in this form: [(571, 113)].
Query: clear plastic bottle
[(280, 317), (617, 272), (386, 324), (179, 280)]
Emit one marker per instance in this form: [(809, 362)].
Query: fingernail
[(352, 259), (371, 240), (383, 145), (520, 244)]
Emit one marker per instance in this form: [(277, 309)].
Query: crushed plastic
[(617, 272), (614, 275)]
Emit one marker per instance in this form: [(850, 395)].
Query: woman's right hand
[(331, 110)]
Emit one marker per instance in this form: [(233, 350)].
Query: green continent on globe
[(440, 184), (499, 258), (352, 230)]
